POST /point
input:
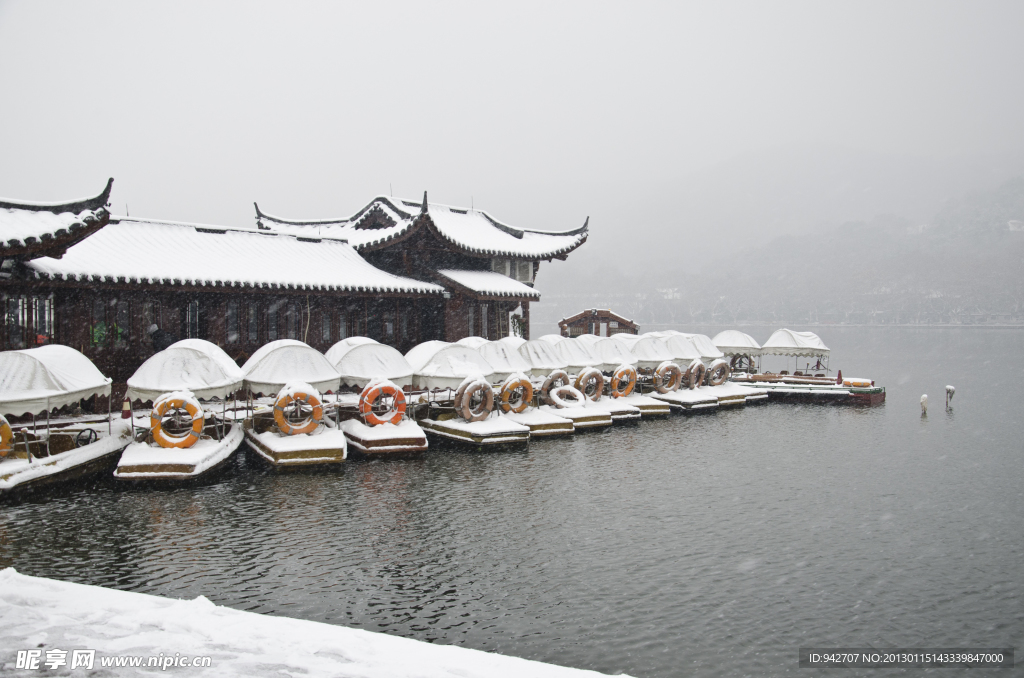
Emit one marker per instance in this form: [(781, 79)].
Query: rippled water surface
[(708, 545)]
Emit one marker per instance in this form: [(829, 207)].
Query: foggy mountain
[(962, 264)]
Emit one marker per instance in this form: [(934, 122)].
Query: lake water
[(711, 545)]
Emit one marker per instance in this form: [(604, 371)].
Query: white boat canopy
[(40, 379), (679, 346), (553, 338), (609, 352), (627, 338), (340, 348), (734, 342), (472, 342), (188, 365), (438, 364), (504, 359), (650, 351), (286, 360), (790, 343), (362, 363), (576, 354), (514, 342), (542, 357), (707, 348)]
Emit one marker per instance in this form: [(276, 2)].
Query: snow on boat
[(472, 419), (175, 380), (609, 352), (441, 365), (562, 399), (576, 354), (293, 431), (504, 359), (687, 400), (542, 357), (739, 347), (43, 379), (360, 363)]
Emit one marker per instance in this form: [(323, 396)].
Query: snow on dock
[(39, 613)]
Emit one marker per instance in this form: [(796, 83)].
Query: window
[(253, 330), (98, 326), (524, 271), (121, 329), (406, 322), (342, 325), (472, 320), (325, 326), (501, 266), (43, 320), (483, 321), (290, 322), (192, 319), (272, 321), (232, 322), (15, 321), (387, 326)]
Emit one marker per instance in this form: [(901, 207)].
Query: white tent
[(365, 362), (650, 352), (188, 365), (542, 357), (438, 364), (472, 342), (40, 379), (734, 342), (340, 348), (627, 338), (504, 359), (514, 342), (609, 352), (286, 360), (790, 343), (576, 354)]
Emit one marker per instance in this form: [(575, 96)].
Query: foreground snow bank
[(38, 613)]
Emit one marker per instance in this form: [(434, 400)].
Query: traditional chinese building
[(400, 272), (601, 322)]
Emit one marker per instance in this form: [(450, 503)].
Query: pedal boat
[(41, 380)]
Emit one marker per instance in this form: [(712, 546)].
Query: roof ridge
[(74, 206), (216, 227)]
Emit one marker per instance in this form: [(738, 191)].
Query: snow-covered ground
[(44, 614)]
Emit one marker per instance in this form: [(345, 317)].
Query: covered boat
[(799, 344), (293, 430), (472, 342), (575, 354), (734, 343), (439, 364), (197, 370), (679, 346), (360, 363), (542, 357), (504, 359), (649, 351), (39, 380), (610, 352)]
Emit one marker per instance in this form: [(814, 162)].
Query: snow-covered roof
[(169, 253), (489, 283), (286, 360), (386, 220), (438, 364), (194, 365), (366, 362), (542, 357), (504, 359), (788, 342), (48, 377), (734, 342), (34, 228)]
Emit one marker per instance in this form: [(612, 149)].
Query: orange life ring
[(464, 400), (168, 404), (6, 437), (668, 377), (588, 376), (368, 398), (307, 425), (508, 390), (623, 381), (694, 374), (556, 378), (718, 373)]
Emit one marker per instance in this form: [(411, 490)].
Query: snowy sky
[(541, 113)]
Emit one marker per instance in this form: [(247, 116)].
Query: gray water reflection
[(712, 545)]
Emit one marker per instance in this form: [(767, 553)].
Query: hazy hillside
[(963, 265)]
